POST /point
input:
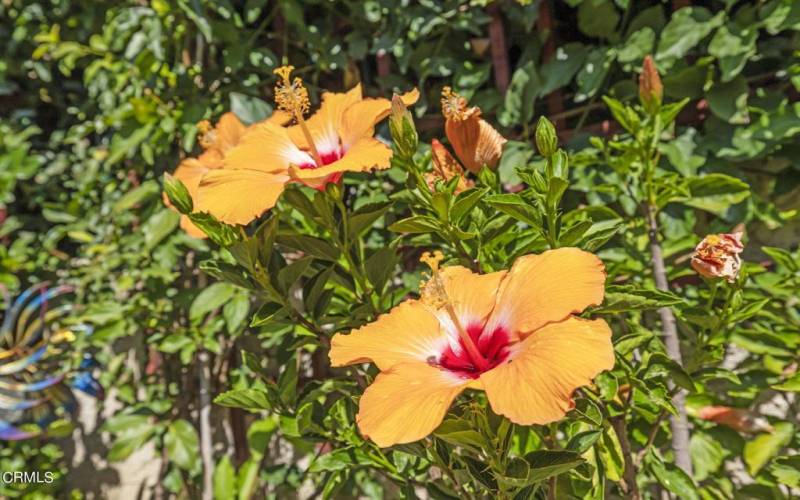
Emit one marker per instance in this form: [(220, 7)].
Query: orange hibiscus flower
[(475, 142), (338, 138), (509, 333), (216, 143)]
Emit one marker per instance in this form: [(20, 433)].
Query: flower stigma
[(292, 97), (454, 106)]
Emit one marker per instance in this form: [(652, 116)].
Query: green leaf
[(465, 202), (249, 399), (610, 453), (627, 343), (623, 298), (759, 450), (597, 18), (342, 459), (787, 470), (639, 44), (159, 226), (515, 206), (210, 298), (673, 479), (311, 245), (590, 78), (782, 258), (792, 384), (267, 313), (287, 383), (707, 454), (749, 310), (582, 441), (716, 192), (521, 95), (181, 444), (686, 28), (380, 266), (364, 217), (459, 432), (136, 196), (415, 224), (728, 100), (545, 464), (624, 115), (289, 275), (224, 480), (249, 109), (235, 312)]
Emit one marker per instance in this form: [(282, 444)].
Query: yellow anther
[(454, 106), (291, 96), (206, 134), (284, 72), (432, 259)]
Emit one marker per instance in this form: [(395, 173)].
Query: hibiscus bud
[(651, 91), (717, 256), (546, 138), (401, 126), (738, 419), (177, 194)]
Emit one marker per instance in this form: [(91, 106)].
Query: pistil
[(292, 97), (435, 295)]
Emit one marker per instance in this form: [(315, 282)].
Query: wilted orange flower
[(475, 142), (445, 167), (717, 256), (509, 333), (738, 419), (338, 138), (216, 142)]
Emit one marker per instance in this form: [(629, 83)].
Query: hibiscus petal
[(366, 154), (475, 142), (548, 287), (266, 147), (535, 385), (473, 295), (409, 332), (237, 196), (229, 132), (359, 119), (407, 403), (324, 125)]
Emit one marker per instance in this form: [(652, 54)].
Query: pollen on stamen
[(432, 291), (454, 106), (206, 134), (291, 95)]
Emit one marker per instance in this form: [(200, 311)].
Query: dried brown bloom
[(717, 256)]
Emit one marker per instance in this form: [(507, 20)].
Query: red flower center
[(493, 346), (327, 158)]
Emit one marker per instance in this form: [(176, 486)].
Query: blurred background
[(99, 99)]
